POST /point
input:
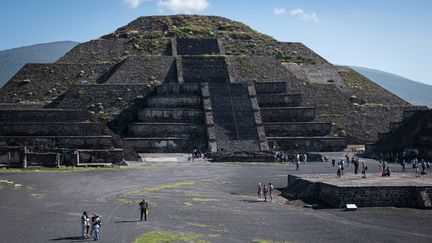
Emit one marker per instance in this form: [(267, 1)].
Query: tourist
[(380, 167), (260, 191), (333, 162), (92, 220), (338, 173), (96, 227), (144, 209), (417, 170), (386, 171), (423, 165), (298, 158), (265, 192), (403, 165), (347, 158), (298, 164), (356, 165), (85, 223), (384, 165), (341, 164), (271, 189), (428, 166), (304, 158), (364, 169)]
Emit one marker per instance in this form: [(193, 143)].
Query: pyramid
[(184, 82)]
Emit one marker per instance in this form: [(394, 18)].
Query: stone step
[(75, 142), (51, 129), (288, 114), (170, 115), (204, 69), (293, 129), (279, 100), (179, 89), (182, 130), (174, 102), (271, 88), (166, 144), (296, 189), (307, 144), (43, 115)]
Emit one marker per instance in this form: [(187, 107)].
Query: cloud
[(312, 16), (133, 3), (279, 11), (184, 6)]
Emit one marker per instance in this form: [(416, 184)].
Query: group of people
[(424, 164), (264, 191), (346, 163), (90, 223)]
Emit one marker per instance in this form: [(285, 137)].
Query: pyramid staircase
[(54, 137), (171, 121), (290, 126)]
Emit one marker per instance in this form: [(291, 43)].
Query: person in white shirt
[(85, 222)]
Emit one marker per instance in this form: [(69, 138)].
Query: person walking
[(96, 227), (298, 164), (85, 223), (271, 189), (144, 207), (265, 193)]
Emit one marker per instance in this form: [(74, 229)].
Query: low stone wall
[(166, 145), (242, 157), (73, 142), (178, 89)]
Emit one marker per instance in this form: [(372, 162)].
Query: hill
[(414, 92), (13, 60)]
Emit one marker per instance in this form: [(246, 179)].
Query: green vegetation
[(61, 169), (168, 236)]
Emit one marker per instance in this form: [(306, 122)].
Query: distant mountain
[(414, 92), (14, 59)]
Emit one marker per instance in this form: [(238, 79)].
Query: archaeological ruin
[(178, 83)]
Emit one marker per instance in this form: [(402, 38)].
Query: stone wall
[(197, 46), (53, 129)]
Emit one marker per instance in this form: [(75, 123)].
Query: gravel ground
[(214, 202)]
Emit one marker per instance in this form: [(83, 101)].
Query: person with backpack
[(144, 207), (96, 227), (85, 223)]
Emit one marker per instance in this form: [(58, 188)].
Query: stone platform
[(399, 190)]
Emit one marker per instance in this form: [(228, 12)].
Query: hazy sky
[(390, 35)]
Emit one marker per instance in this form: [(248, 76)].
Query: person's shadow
[(127, 221), (72, 238)]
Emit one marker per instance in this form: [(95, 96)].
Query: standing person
[(417, 169), (342, 164), (144, 209), (260, 191), (305, 158), (403, 165), (271, 189), (84, 225), (96, 227), (298, 164), (92, 220), (356, 165), (298, 157), (265, 193), (364, 169), (333, 162), (347, 158)]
